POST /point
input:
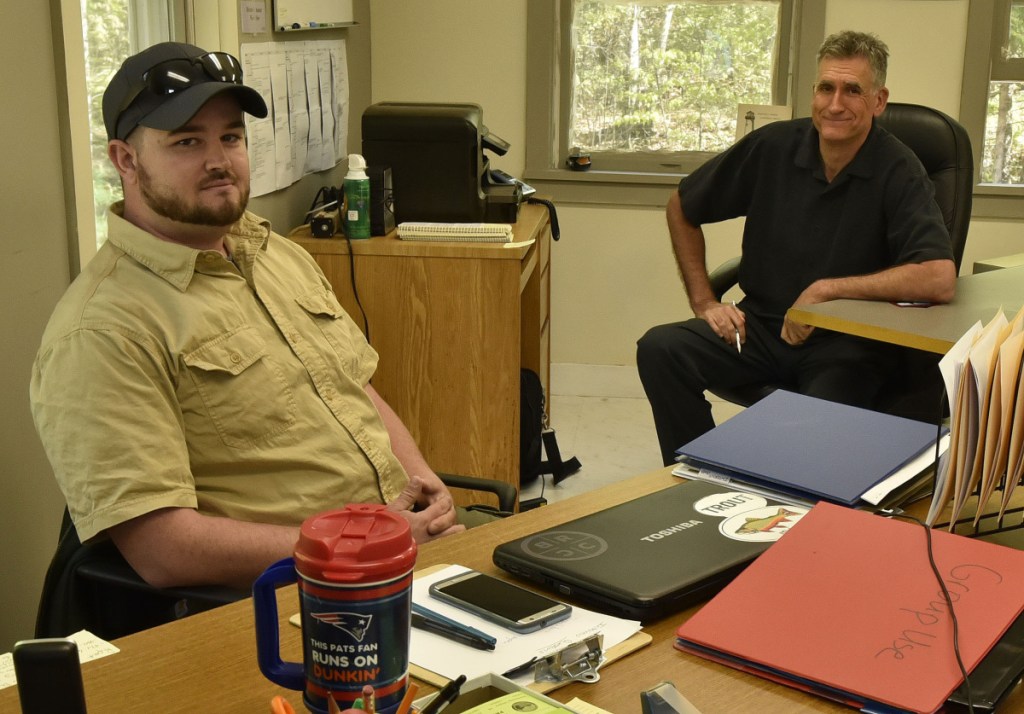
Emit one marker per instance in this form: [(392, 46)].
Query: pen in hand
[(739, 348)]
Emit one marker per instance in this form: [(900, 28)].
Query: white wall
[(613, 273)]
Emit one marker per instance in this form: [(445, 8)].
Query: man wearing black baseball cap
[(164, 86), (199, 389)]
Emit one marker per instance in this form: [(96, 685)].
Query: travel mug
[(354, 572)]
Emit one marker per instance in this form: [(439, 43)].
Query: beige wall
[(33, 274)]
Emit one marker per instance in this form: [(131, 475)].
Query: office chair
[(91, 586), (914, 390)]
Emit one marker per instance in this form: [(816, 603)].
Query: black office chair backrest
[(944, 149), (90, 586)]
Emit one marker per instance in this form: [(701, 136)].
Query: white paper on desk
[(90, 647), (450, 659), (877, 493), (980, 369), (951, 367)]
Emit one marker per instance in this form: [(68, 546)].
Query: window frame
[(548, 72), (986, 25), (152, 18)]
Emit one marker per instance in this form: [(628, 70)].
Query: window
[(650, 88), (1002, 154), (992, 105), (103, 33)]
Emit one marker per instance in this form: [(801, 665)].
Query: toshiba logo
[(671, 530)]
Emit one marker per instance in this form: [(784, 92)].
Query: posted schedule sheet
[(305, 86)]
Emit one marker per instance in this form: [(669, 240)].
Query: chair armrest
[(102, 563), (505, 492), (725, 276)]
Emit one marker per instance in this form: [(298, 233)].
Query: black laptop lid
[(654, 555)]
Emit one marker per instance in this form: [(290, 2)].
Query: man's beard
[(177, 209)]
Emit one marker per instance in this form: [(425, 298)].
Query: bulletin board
[(312, 14)]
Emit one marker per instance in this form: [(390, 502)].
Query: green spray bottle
[(357, 198)]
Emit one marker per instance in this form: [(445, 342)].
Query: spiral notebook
[(462, 232)]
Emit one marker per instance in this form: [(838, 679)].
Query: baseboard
[(596, 380)]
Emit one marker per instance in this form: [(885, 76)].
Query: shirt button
[(236, 358)]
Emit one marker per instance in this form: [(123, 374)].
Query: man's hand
[(433, 492), (727, 321), (437, 519), (795, 333)]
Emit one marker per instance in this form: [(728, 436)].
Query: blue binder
[(810, 448)]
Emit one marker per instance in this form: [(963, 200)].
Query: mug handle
[(289, 675)]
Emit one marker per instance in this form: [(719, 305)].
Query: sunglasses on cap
[(175, 75)]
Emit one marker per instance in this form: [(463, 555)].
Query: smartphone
[(500, 601), (49, 676)]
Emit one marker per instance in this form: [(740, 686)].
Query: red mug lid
[(362, 541)]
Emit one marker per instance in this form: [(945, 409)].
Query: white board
[(311, 14)]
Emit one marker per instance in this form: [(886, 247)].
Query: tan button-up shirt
[(169, 376)]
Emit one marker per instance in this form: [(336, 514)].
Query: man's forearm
[(688, 246), (179, 546), (932, 281)]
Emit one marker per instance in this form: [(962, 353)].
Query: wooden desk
[(453, 324), (933, 329), (207, 662)]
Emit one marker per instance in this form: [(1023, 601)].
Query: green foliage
[(669, 77), (1002, 156), (107, 44)]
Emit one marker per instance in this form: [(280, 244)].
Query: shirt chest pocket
[(337, 328), (237, 391)]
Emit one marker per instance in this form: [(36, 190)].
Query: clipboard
[(633, 643)]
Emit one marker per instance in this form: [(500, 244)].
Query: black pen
[(445, 697), (439, 628)]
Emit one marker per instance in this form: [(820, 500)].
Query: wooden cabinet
[(453, 324)]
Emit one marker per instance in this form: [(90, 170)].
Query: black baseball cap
[(164, 86)]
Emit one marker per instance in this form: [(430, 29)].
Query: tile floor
[(612, 437)]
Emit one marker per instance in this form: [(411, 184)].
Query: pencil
[(410, 693)]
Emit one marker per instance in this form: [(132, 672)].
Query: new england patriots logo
[(353, 623)]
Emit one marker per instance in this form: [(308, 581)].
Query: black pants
[(678, 361)]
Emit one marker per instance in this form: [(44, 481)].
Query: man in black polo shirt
[(835, 208)]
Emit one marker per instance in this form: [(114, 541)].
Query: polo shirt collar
[(174, 262), (808, 156)]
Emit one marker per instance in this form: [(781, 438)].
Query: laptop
[(655, 555)]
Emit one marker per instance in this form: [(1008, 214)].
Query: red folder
[(846, 606)]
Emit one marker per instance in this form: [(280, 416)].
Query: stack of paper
[(810, 449), (462, 232), (982, 375), (847, 607)]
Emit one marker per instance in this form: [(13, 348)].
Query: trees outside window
[(1002, 156), (667, 77)]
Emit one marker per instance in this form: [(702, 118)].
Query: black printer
[(438, 169)]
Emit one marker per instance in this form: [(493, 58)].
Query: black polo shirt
[(878, 212)]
